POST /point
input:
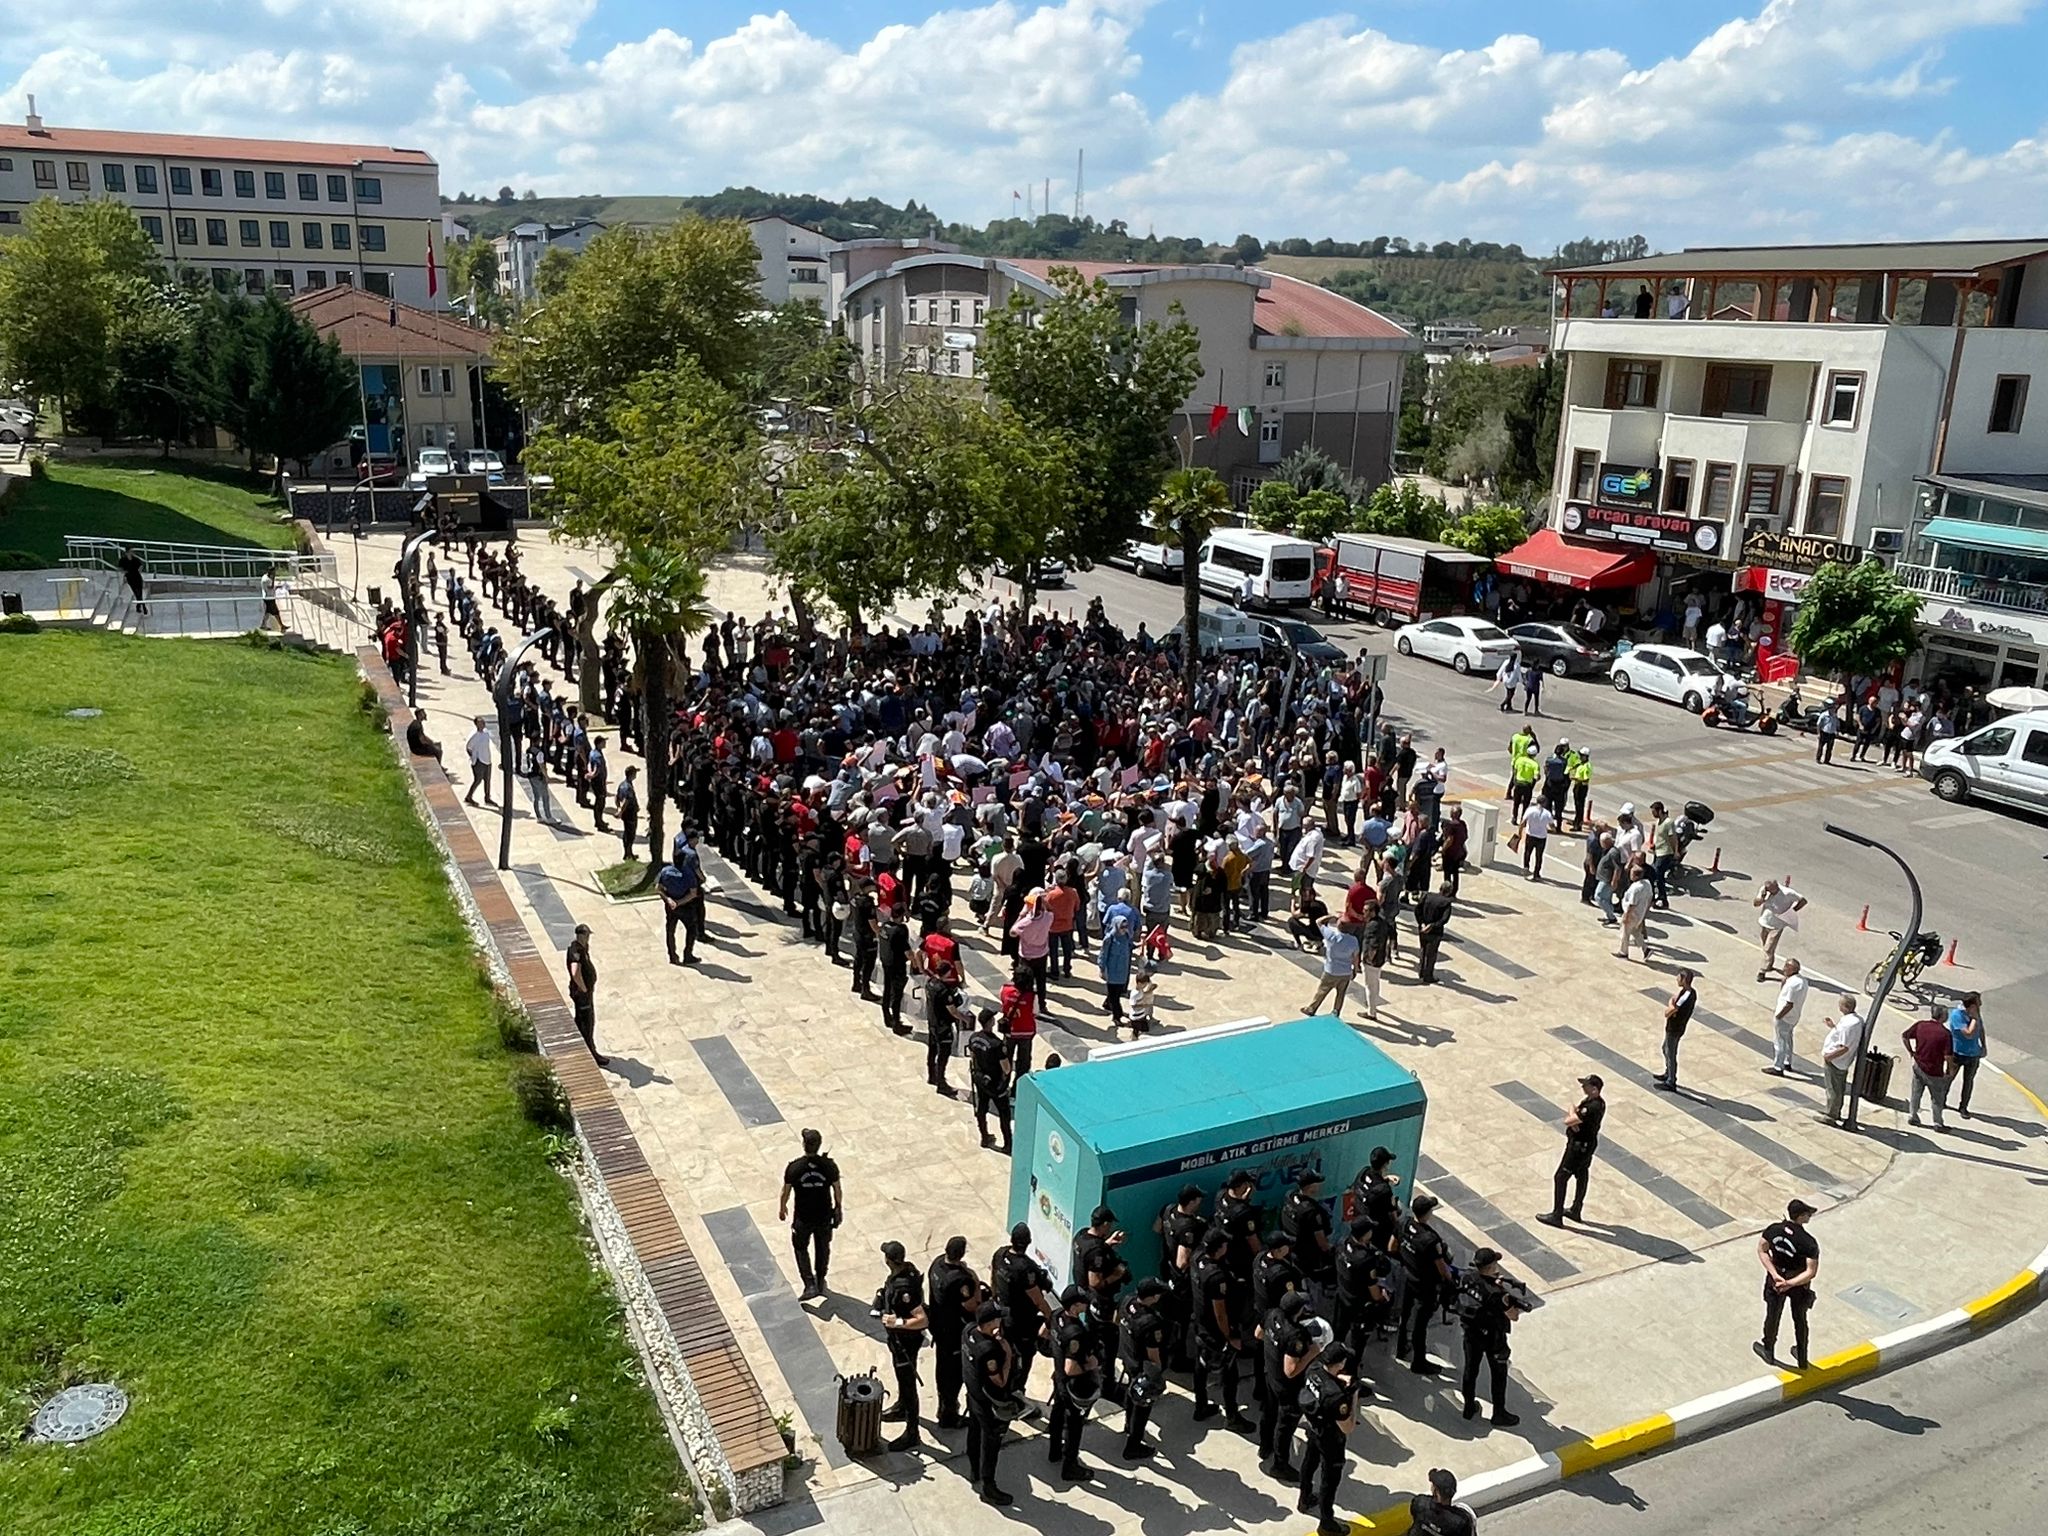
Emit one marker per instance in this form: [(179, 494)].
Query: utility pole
[(1080, 160)]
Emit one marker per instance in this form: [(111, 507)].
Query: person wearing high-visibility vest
[(1528, 768), (1579, 769), (1518, 748)]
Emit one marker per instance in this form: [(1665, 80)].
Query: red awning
[(1546, 557)]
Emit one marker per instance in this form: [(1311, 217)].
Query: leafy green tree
[(799, 359), (1401, 510), (1273, 505), (551, 273), (1070, 368), (303, 391), (1482, 453), (1322, 513), (66, 282), (1855, 621), (634, 301), (1308, 468), (1189, 507), (1490, 529), (151, 364)]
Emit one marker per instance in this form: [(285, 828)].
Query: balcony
[(1969, 587), (1732, 440), (1617, 437)]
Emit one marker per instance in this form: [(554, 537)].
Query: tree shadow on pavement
[(1464, 989)]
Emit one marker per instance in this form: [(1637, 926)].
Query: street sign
[(1374, 665)]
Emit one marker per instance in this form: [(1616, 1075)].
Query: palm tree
[(1184, 513), (659, 598)]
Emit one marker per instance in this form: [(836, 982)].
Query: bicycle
[(1924, 951)]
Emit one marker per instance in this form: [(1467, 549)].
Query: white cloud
[(1783, 123)]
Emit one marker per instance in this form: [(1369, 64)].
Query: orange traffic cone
[(1715, 867), (1863, 922), (1951, 957)]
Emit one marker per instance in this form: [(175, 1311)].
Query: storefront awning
[(1975, 535), (1546, 557)]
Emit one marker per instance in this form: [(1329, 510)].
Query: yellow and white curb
[(1717, 1410)]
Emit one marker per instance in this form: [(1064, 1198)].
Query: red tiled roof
[(192, 146), (1292, 307), (362, 324), (1289, 307)]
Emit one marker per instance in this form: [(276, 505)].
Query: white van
[(1281, 570), (2006, 761), (1219, 629)]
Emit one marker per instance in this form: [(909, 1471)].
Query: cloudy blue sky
[(1733, 121)]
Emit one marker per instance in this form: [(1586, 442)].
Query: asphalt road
[(1983, 872), (1953, 1445)]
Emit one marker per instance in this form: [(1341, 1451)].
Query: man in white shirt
[(1778, 908), (1628, 834), (1595, 619), (1785, 1018), (479, 748), (1717, 638), (1307, 858), (1536, 824), (1635, 915), (1838, 1055)]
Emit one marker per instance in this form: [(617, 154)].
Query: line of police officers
[(1299, 1306)]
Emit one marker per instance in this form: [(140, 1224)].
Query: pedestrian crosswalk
[(1745, 780)]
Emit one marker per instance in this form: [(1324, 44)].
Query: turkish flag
[(1218, 414), (433, 276)]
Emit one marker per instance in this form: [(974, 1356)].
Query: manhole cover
[(1879, 1303), (83, 714), (79, 1413)]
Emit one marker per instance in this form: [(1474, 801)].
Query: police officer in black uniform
[(1488, 1308), (945, 1013), (1218, 1339), (1330, 1406), (1305, 1218), (988, 1070), (1287, 1348), (1581, 1140), (953, 1295), (812, 1182), (1437, 1512), (1076, 1383), (1274, 1274), (1100, 1270), (1180, 1241), (1021, 1285), (987, 1361), (1239, 1219), (1143, 1328), (905, 1319), (1364, 1296), (1376, 1195), (1426, 1274)]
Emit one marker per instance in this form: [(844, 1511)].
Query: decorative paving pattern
[(78, 1413)]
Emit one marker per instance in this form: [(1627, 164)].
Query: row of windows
[(1761, 488), (931, 311), (1744, 389), (114, 178), (256, 280), (250, 232), (927, 360)]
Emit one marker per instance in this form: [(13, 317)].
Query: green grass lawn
[(258, 1161), (139, 499)]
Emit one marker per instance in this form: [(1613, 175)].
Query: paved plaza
[(1652, 1301)]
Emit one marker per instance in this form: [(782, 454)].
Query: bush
[(20, 560), (515, 1025), (19, 624), (369, 702), (540, 1094)]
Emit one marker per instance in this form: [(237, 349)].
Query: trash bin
[(860, 1414), (10, 603), (375, 596), (1876, 1083)]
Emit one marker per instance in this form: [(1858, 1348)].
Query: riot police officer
[(1101, 1271), (1363, 1296), (904, 1318), (1180, 1240), (1020, 1284), (1239, 1220), (1142, 1331), (1330, 1405), (1376, 1196), (1305, 1219), (1426, 1275), (987, 1362), (953, 1295), (1488, 1305), (1076, 1383), (1287, 1348), (1218, 1340), (988, 1071), (1274, 1274)]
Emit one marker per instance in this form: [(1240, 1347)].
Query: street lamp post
[(1907, 940), (501, 693), (408, 580)]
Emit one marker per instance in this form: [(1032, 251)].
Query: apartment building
[(1736, 417), (1289, 364), (521, 249), (247, 214), (794, 261), (420, 375)]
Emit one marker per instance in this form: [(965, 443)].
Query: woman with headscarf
[(1119, 940)]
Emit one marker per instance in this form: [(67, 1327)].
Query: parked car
[(1671, 673), (379, 469), (485, 461), (1464, 643), (1162, 560), (1285, 637), (17, 422), (1565, 649), (2006, 761), (1220, 628), (432, 461), (1051, 573)]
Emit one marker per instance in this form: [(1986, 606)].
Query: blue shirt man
[(682, 901), (1966, 1028), (1375, 832)]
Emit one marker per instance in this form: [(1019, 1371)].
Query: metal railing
[(315, 607), (1968, 587), (163, 560)]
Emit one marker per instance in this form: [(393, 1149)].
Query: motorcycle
[(1734, 708), (1694, 819)]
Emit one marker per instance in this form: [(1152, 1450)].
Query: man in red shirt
[(939, 957), (1019, 1002), (1928, 1041)]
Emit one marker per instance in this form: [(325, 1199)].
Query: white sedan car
[(1465, 643), (1671, 673)]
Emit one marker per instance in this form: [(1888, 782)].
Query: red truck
[(1394, 580)]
